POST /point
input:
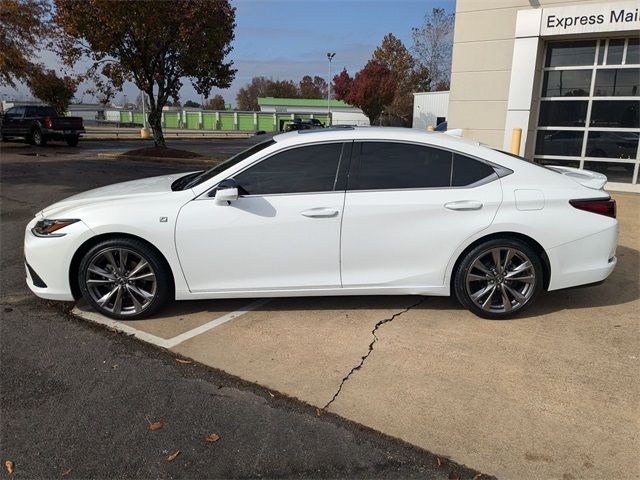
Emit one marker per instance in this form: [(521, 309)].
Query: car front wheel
[(73, 140), (124, 279), (499, 279)]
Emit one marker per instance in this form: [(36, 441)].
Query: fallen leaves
[(8, 465), (155, 426), (318, 412), (184, 361), (212, 438), (171, 457), (67, 472), (477, 476)]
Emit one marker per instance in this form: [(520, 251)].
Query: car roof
[(374, 133)]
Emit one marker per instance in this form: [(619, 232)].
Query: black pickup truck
[(39, 124)]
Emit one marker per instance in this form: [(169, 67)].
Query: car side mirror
[(227, 191)]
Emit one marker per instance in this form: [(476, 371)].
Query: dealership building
[(565, 72)]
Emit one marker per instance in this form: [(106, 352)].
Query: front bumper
[(587, 260), (50, 260)]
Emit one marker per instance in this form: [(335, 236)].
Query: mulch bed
[(161, 152)]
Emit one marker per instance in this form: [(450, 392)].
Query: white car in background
[(340, 211)]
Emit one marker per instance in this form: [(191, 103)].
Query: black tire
[(161, 292), (519, 282), (73, 140), (37, 138)]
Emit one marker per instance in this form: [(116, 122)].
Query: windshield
[(221, 167)]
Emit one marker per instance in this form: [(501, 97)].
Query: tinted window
[(230, 162), (564, 54), (566, 83), (15, 112), (615, 113), (467, 171), (571, 113), (612, 144), (633, 51), (616, 49), (618, 82), (386, 165), (559, 142), (304, 169)]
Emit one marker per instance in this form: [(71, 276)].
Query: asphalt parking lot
[(553, 394), (77, 401)]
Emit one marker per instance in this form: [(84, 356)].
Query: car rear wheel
[(124, 279), (499, 279), (37, 138)]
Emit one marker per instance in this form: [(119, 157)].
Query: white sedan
[(339, 211)]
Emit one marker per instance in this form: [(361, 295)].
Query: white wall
[(427, 107), (349, 118)]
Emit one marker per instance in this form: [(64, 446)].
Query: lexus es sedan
[(337, 211)]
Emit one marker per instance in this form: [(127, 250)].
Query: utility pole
[(330, 56)]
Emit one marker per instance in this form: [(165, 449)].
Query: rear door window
[(467, 171), (389, 165)]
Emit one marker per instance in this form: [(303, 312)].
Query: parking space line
[(121, 327), (165, 342), (172, 342)]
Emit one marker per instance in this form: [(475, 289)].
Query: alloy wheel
[(121, 281), (501, 280)]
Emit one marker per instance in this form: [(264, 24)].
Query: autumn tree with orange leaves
[(372, 89), (23, 28), (155, 44)]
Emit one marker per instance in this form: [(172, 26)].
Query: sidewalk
[(125, 133)]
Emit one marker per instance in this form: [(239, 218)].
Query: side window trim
[(345, 152), (356, 159)]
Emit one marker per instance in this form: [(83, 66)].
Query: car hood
[(134, 188)]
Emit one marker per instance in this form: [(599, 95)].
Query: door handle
[(464, 205), (320, 212)]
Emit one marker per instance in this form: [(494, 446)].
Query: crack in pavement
[(364, 358)]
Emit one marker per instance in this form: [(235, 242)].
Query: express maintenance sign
[(591, 17)]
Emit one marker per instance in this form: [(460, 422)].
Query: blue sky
[(288, 39)]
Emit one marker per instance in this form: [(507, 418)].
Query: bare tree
[(432, 45)]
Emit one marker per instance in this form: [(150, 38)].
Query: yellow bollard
[(516, 135), (430, 128)]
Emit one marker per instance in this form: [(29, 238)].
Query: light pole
[(330, 57)]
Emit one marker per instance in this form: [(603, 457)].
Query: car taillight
[(604, 206), (47, 122)]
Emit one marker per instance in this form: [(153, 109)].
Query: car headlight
[(50, 228)]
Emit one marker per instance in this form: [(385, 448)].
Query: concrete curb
[(169, 136)]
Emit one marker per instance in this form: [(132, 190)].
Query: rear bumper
[(61, 134), (587, 260)]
